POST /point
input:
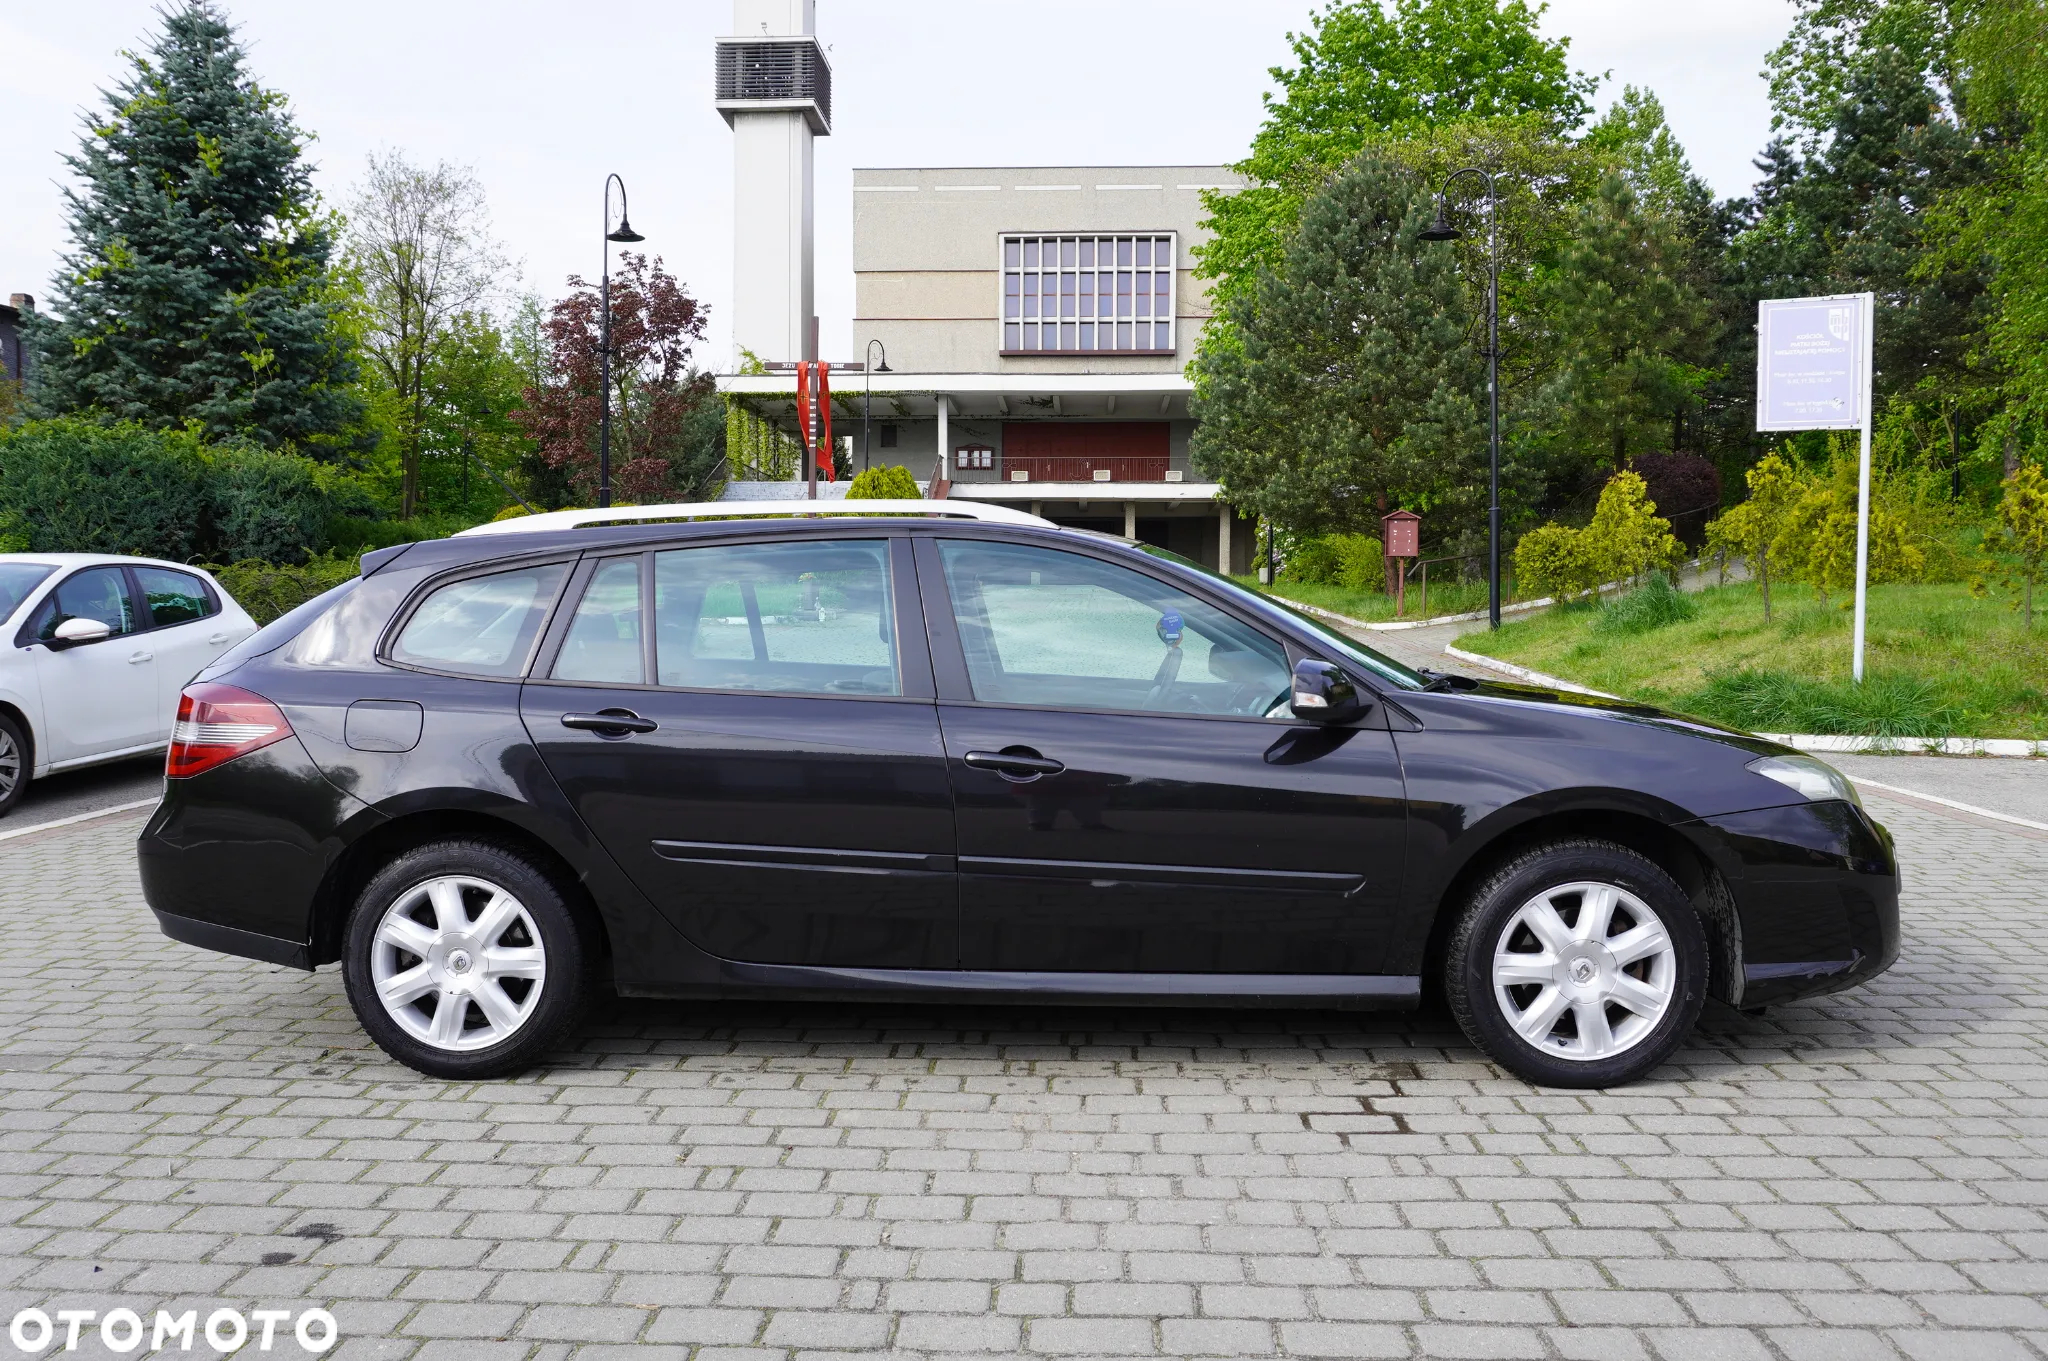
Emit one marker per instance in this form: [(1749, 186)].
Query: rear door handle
[(610, 722), (1013, 763), (218, 637), (139, 658)]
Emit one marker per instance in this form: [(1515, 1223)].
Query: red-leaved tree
[(655, 392)]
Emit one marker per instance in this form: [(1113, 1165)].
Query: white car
[(94, 650)]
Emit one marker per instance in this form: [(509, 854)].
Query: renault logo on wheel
[(1582, 971)]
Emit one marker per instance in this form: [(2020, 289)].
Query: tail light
[(217, 723)]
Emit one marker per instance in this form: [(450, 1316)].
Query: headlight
[(1815, 779)]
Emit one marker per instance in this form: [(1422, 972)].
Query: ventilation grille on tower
[(775, 73)]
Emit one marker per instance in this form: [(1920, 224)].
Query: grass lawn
[(1937, 663), (1445, 597)]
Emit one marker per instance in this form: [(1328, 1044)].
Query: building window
[(969, 456), (1088, 294), (888, 437)]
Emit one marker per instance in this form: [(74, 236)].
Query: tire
[(480, 998), (1601, 1003), (16, 764)]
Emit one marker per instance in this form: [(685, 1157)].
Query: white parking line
[(1952, 803), (14, 832)]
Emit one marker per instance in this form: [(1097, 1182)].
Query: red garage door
[(1074, 451)]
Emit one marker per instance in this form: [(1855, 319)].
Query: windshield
[(1349, 649), (17, 579)]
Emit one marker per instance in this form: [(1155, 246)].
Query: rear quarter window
[(480, 625)]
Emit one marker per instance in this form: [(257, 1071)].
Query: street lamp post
[(1442, 230), (868, 370), (624, 233)]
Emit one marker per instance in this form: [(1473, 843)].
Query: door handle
[(609, 722), (218, 637), (139, 658), (1010, 763)]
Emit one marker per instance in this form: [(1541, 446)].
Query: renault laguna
[(939, 750)]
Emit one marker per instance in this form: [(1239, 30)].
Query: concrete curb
[(1847, 744)]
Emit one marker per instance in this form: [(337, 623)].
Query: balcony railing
[(1085, 468)]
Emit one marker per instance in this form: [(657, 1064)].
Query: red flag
[(803, 405), (824, 399)]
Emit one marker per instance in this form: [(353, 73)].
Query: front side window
[(1042, 626), (1088, 294), (174, 597), (480, 626), (797, 618), (98, 593)]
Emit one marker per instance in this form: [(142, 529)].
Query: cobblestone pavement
[(1860, 1177)]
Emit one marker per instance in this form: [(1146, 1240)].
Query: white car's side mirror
[(74, 631)]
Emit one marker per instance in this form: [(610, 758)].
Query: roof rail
[(733, 510)]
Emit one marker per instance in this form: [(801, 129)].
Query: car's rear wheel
[(14, 764), (1578, 964), (464, 960)]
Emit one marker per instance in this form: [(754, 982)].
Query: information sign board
[(1810, 362)]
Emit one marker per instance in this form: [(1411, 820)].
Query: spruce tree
[(1350, 387), (197, 287)]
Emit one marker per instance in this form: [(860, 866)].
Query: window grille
[(1088, 294), (969, 456)]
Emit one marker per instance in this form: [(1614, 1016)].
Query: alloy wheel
[(1584, 971), (457, 962), (10, 764)]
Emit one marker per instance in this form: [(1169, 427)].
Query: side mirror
[(1324, 694), (72, 632)]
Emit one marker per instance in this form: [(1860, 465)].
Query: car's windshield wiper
[(1440, 681)]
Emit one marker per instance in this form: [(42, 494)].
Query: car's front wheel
[(1577, 964), (464, 960), (14, 764)]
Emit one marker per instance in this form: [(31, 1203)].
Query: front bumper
[(1816, 889)]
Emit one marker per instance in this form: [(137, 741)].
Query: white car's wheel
[(14, 764)]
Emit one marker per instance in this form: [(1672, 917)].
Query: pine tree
[(1629, 330), (1350, 387), (197, 287)]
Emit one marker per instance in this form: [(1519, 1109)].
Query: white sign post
[(1813, 373)]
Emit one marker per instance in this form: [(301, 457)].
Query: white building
[(1037, 323)]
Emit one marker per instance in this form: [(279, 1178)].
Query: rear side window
[(604, 644), (174, 597), (813, 617), (480, 626)]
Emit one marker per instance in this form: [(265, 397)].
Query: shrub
[(264, 505), (1552, 561), (1360, 564), (74, 485), (1314, 561), (1653, 605), (1627, 537), (892, 483), (266, 590)]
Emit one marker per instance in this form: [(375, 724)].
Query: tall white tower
[(774, 87)]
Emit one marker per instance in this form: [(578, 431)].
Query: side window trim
[(426, 589), (949, 658)]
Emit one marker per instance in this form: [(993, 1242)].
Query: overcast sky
[(543, 99)]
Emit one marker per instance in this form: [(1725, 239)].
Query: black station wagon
[(929, 749)]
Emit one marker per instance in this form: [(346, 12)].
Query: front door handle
[(609, 722), (1013, 763), (139, 658)]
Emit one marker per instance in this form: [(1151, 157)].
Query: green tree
[(2023, 527), (1349, 389), (1748, 530), (197, 286), (419, 238), (1368, 73), (1628, 331), (1626, 536)]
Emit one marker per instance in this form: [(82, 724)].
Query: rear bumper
[(229, 941), (1816, 887)]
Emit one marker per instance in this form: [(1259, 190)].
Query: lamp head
[(883, 367), (1441, 229), (625, 232)]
